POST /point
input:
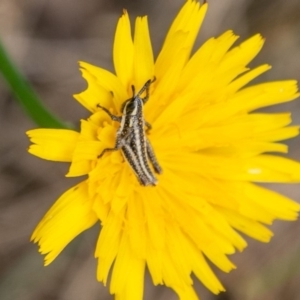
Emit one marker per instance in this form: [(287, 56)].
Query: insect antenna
[(133, 91)]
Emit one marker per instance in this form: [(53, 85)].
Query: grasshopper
[(131, 137)]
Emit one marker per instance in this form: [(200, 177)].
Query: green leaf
[(25, 95)]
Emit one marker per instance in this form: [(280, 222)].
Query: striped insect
[(131, 137)]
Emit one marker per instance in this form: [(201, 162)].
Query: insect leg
[(146, 87), (120, 142), (133, 90), (152, 158), (148, 125), (113, 117), (107, 150), (143, 89)]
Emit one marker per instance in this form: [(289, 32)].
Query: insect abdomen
[(145, 178)]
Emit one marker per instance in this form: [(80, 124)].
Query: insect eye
[(130, 106)]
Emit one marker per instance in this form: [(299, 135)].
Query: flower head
[(211, 144)]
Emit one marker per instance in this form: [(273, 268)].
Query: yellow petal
[(53, 144), (250, 227), (176, 51), (246, 78), (108, 82), (269, 168), (143, 64), (68, 217), (167, 81), (79, 168), (279, 134), (243, 54), (95, 93), (206, 58), (123, 51), (176, 270), (197, 229), (262, 168), (188, 20), (128, 287), (202, 270), (278, 205), (265, 94), (108, 244)]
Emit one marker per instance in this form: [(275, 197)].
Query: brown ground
[(46, 39)]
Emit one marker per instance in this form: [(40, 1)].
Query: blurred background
[(46, 39)]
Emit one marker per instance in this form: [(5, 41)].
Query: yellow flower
[(207, 137)]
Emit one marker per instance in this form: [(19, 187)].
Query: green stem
[(25, 95)]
